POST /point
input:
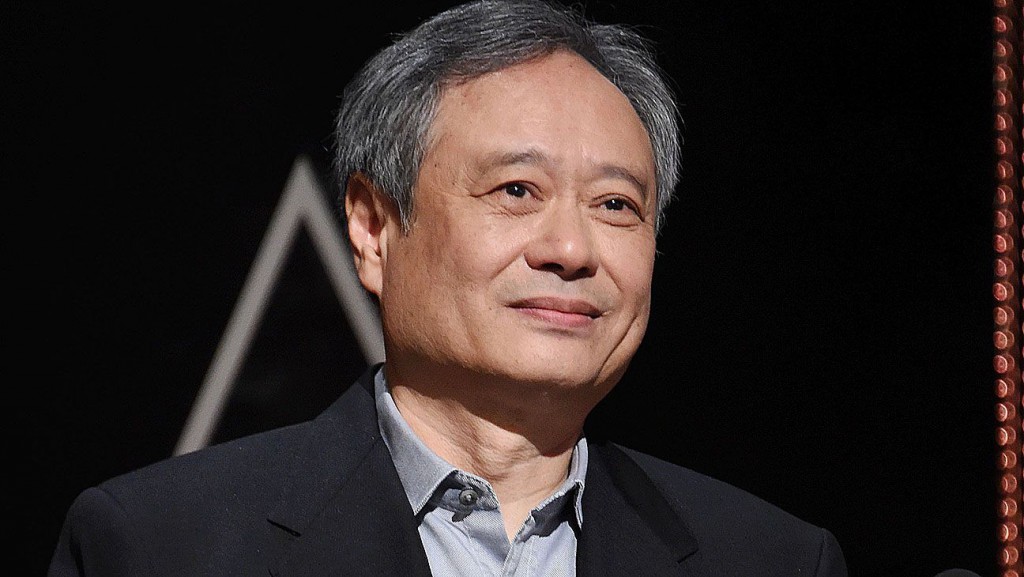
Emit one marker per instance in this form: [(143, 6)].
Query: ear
[(368, 213)]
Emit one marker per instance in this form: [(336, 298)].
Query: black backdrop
[(821, 333)]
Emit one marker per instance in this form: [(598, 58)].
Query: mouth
[(558, 311)]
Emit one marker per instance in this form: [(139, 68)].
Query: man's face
[(531, 247)]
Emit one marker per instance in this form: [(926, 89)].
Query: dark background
[(821, 333)]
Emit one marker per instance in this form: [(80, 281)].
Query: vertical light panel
[(1007, 288)]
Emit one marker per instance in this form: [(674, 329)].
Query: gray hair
[(386, 111)]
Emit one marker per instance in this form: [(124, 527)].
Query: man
[(505, 169)]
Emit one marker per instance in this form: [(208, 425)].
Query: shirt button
[(468, 497)]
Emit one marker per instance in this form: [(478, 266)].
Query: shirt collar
[(422, 471), (419, 468)]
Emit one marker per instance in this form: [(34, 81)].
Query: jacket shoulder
[(202, 513), (251, 462), (212, 511), (733, 526)]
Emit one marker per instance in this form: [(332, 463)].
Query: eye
[(515, 189), (618, 210), (615, 204), (618, 204), (514, 197)]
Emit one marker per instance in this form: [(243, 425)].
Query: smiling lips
[(561, 312)]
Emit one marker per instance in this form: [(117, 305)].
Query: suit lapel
[(344, 508), (629, 528)]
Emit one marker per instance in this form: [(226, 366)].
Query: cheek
[(478, 252), (631, 267), (446, 272)]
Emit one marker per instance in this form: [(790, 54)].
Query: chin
[(553, 369)]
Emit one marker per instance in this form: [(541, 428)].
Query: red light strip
[(1007, 289)]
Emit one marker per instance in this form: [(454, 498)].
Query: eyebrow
[(536, 157)]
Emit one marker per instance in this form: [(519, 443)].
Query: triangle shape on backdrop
[(302, 204)]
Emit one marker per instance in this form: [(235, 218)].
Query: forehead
[(558, 104)]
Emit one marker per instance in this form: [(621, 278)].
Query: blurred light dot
[(1001, 339), (1002, 218), (1004, 169), (1008, 483), (1005, 435), (1009, 555), (1002, 291), (1004, 146), (1002, 242), (1003, 194), (1008, 507), (1005, 412), (1007, 532), (1004, 388), (1002, 315), (1008, 460), (1001, 364), (1003, 267)]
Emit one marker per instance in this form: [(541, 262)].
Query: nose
[(563, 243)]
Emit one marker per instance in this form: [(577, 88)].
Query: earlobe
[(367, 217)]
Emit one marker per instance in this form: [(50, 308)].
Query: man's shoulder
[(697, 490), (727, 520), (250, 464), (694, 492), (199, 513), (262, 461)]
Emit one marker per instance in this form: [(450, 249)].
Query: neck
[(522, 446)]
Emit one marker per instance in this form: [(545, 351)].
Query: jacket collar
[(629, 527), (343, 506)]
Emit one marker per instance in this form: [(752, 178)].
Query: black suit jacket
[(323, 498)]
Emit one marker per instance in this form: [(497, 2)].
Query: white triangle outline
[(302, 203)]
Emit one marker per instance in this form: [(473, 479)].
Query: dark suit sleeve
[(97, 540), (831, 562)]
